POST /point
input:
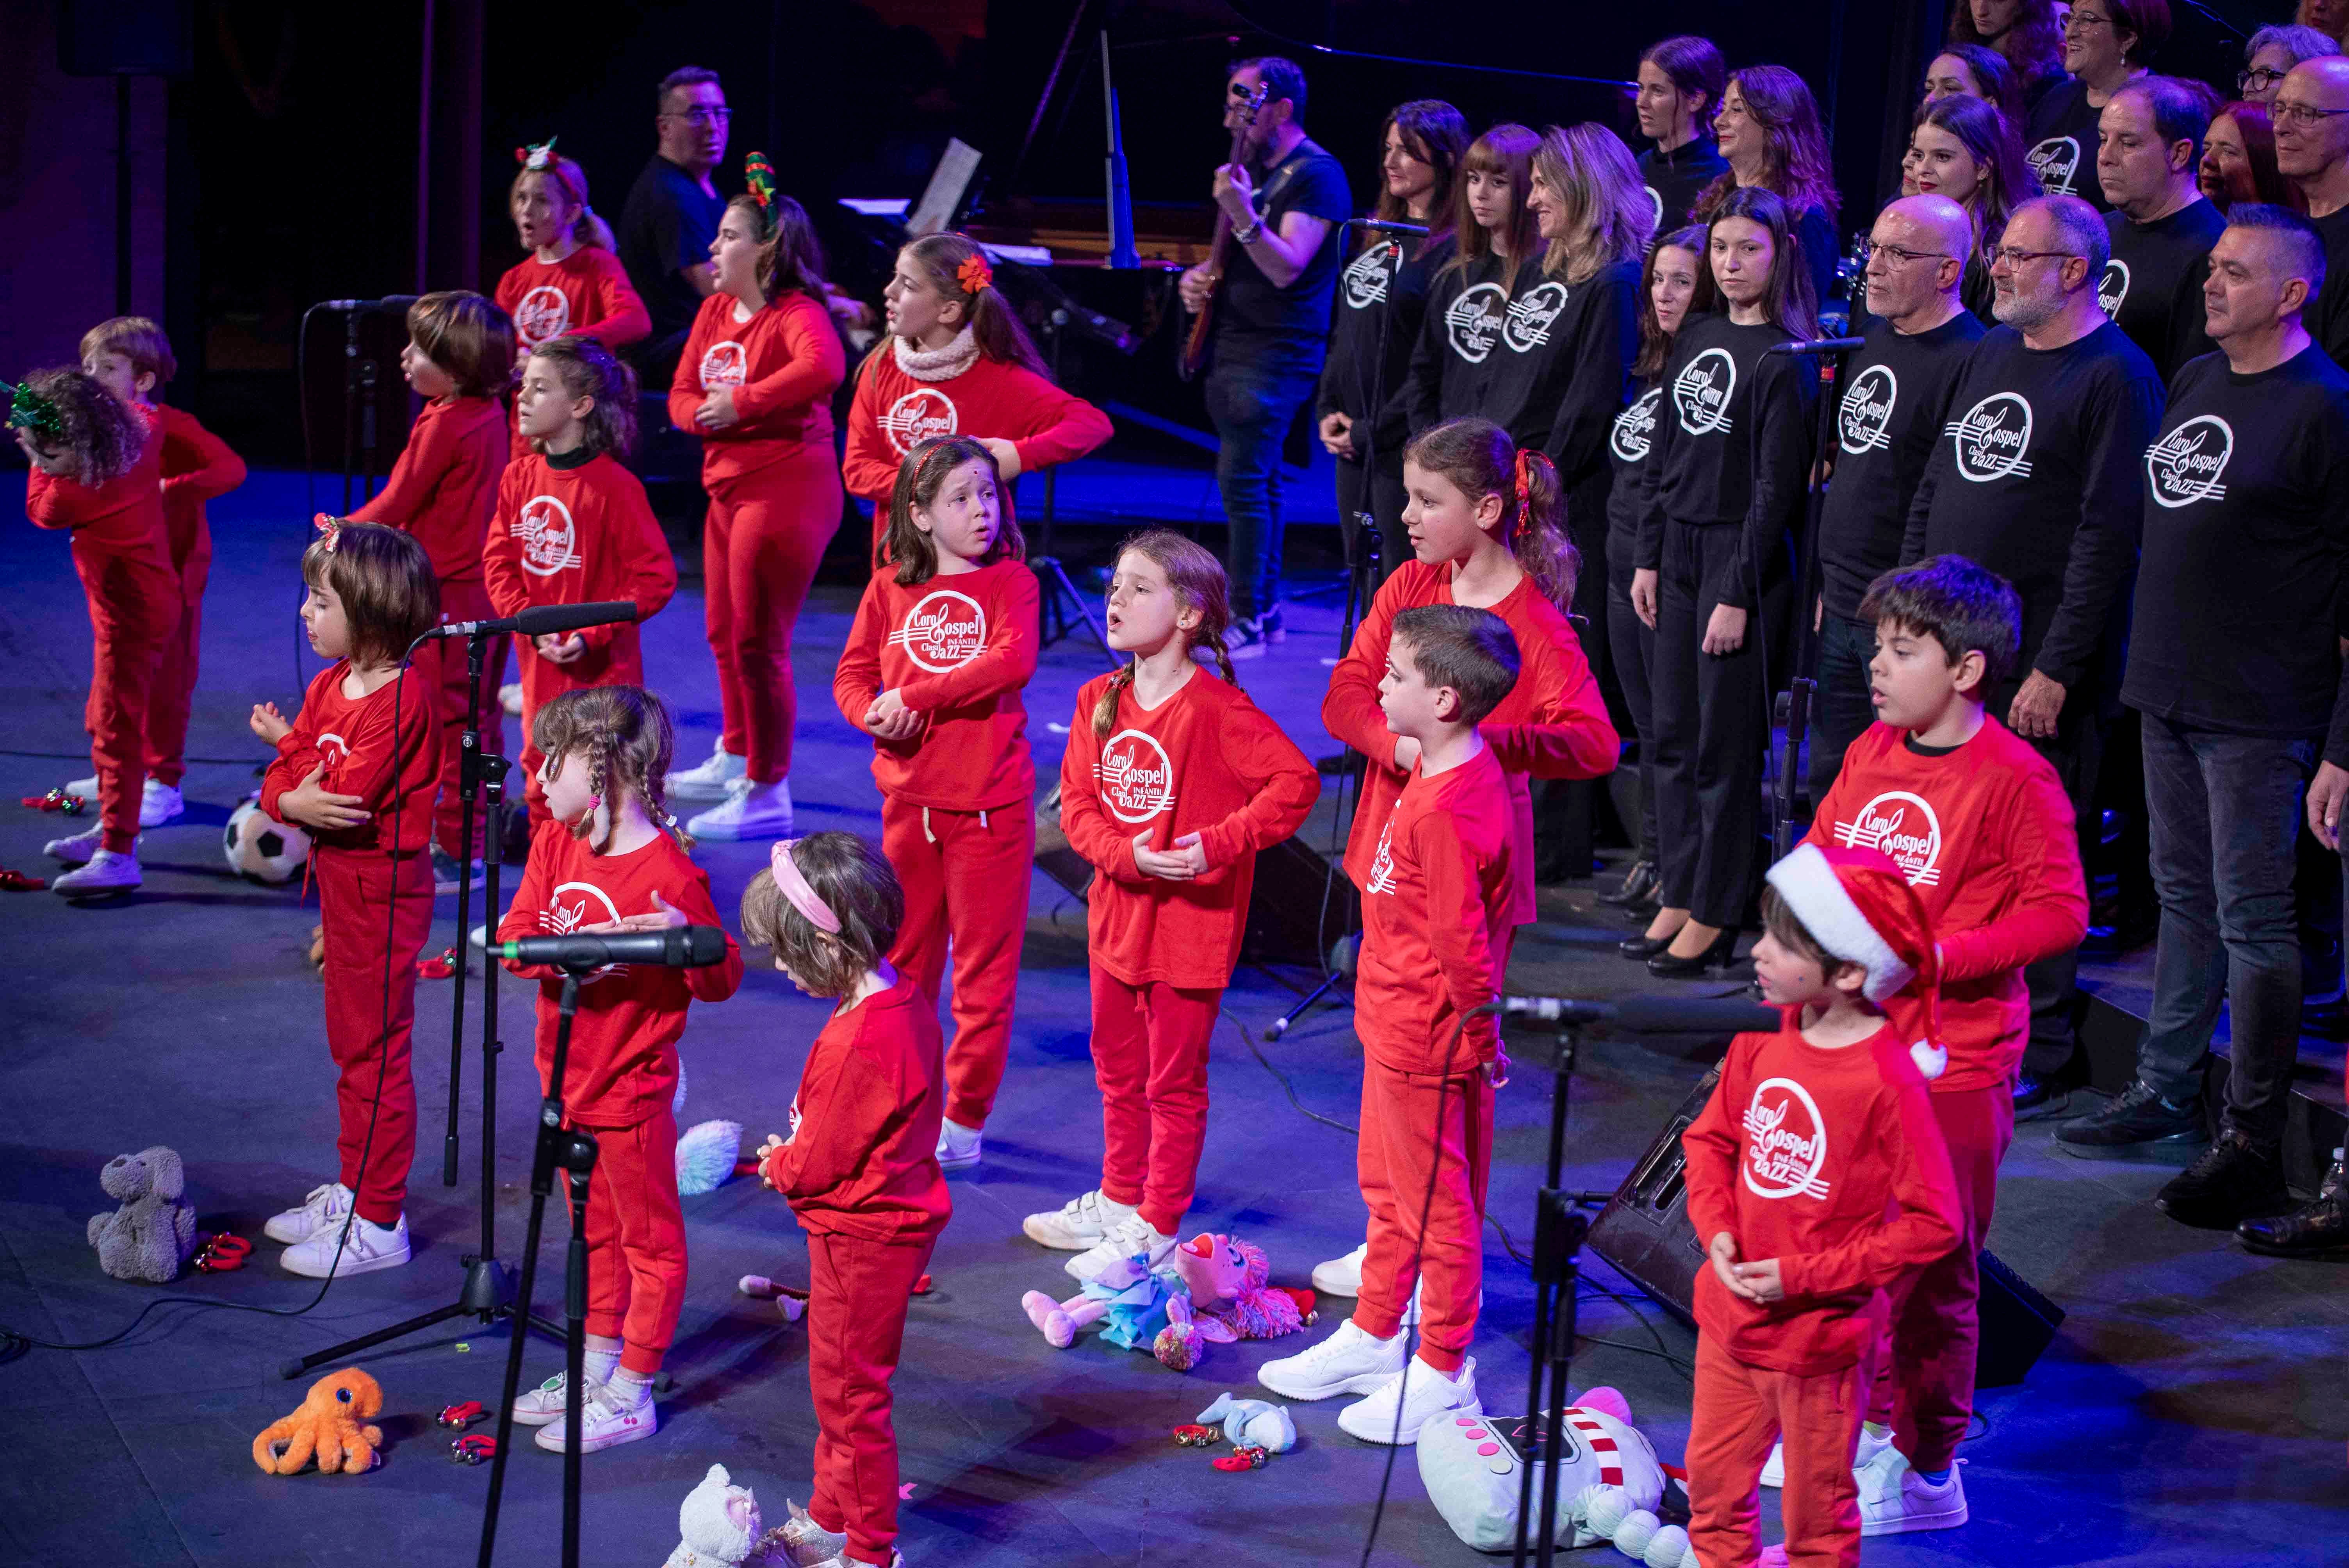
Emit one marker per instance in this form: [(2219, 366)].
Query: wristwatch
[(1247, 236)]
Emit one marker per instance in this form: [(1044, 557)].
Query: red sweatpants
[(174, 688), (966, 877), (1925, 1388), (464, 602), (1740, 1411), (1150, 1060), (857, 1292), (1415, 1125), (364, 897), (635, 1239), (761, 542), (543, 680), (134, 600)]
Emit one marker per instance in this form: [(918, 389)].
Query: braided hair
[(622, 734), (1477, 458), (1197, 579)]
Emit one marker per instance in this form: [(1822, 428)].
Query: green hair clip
[(28, 410), (760, 176)]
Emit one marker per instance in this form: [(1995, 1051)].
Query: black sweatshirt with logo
[(1734, 434), (1676, 178), (1384, 289), (2153, 285), (1630, 447), (2063, 142)]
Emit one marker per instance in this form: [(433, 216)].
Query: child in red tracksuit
[(941, 649), (609, 861), (859, 1171), (1487, 519), (957, 363), (756, 384), (1979, 824), (1438, 907), (1817, 1179), (358, 767), (443, 489), (1172, 782), (571, 284), (131, 357), (573, 527), (97, 472)]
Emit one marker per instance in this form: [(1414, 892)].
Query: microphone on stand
[(1386, 225), (1822, 345), (392, 303), (542, 620), (1343, 957), (1646, 1015), (678, 947)]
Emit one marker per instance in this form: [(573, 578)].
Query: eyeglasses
[(2015, 258), (2299, 114), (701, 116), (2258, 79), (1869, 248), (2081, 21)]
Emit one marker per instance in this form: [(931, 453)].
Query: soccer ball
[(262, 848)]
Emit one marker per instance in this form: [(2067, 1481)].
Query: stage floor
[(2190, 1411)]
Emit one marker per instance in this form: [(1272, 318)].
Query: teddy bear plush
[(151, 1236), (328, 1427), (718, 1527)]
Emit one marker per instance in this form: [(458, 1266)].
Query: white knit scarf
[(938, 364)]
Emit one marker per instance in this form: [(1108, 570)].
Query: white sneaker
[(1774, 1471), (619, 1412), (1078, 1224), (108, 871), (510, 697), (1341, 1276), (324, 1206), (806, 1542), (84, 789), (1895, 1499), (1348, 1362), (76, 849), (159, 803), (1421, 1394), (749, 812), (959, 1146), (548, 1401), (371, 1247), (711, 779), (1133, 1234)]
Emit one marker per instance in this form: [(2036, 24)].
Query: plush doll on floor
[(326, 1427), (1211, 1290), (717, 1526), (1609, 1483), (153, 1235)]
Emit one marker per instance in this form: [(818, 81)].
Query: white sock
[(954, 1125), (629, 1387), (599, 1365)]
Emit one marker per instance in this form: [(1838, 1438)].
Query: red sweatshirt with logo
[(444, 486), (958, 650), (585, 294), (124, 516), (1984, 833), (1437, 904), (197, 467), (1830, 1161), (622, 1067), (384, 747), (1207, 760), (783, 365), (894, 412), (1552, 725), (578, 536)]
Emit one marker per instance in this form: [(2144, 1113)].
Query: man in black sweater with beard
[(2040, 480), (2161, 225)]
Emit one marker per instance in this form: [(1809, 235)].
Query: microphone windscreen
[(1692, 1016)]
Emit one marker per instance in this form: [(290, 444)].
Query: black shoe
[(2137, 1125), (2233, 1181), (2040, 1096), (2320, 1230), (1720, 954), (1639, 885), (1642, 947)]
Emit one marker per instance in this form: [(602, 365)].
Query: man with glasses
[(2161, 225), (2311, 112), (1896, 400), (2270, 56), (2040, 479), (672, 214)]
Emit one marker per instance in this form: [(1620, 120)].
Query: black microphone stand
[(1802, 687), (1053, 623)]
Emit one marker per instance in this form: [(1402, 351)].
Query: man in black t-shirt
[(672, 214), (1285, 200), (2311, 136), (2161, 225)]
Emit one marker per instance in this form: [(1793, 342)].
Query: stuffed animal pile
[(1210, 1290), (151, 1236)]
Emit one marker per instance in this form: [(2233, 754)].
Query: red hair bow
[(332, 527), (974, 274), (1525, 485)]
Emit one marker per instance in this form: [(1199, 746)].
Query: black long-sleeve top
[(1630, 444), (1676, 178), (2152, 287), (1734, 440), (1381, 291)]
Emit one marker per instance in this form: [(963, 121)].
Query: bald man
[(2311, 112), (1895, 402)]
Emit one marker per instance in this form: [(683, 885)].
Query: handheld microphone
[(1646, 1015), (1387, 225), (542, 620), (1823, 346), (678, 947)]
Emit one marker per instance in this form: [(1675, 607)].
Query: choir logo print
[(541, 315), (2055, 160), (724, 364), (576, 904), (2187, 464), (2113, 287), (1786, 1143), (916, 417), (1656, 201), (1885, 823), (333, 749), (1635, 427), (1995, 439), (550, 540), (944, 630), (1701, 392), (1382, 877), (1366, 276), (1137, 781), (1530, 318), (1474, 321), (1867, 410)]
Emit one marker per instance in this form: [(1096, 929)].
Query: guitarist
[(1281, 198)]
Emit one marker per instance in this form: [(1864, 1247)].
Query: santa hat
[(1858, 905)]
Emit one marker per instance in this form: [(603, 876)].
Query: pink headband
[(795, 888)]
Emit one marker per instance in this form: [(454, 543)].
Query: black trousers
[(1632, 643), (1381, 495), (2077, 751), (1840, 710)]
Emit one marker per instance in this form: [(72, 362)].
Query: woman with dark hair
[(1473, 340), (2106, 44), (1381, 305), (2027, 34), (1974, 70), (1965, 150), (2238, 161), (1681, 83), (1769, 133), (1733, 455)]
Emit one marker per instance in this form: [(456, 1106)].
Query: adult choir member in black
[(1666, 286), (1381, 301), (1973, 70), (2025, 33), (2106, 44), (1896, 400), (1735, 451), (2236, 670), (2312, 139), (1681, 83), (2040, 480), (2161, 225), (2271, 55), (1285, 199), (1472, 354), (1769, 133), (2239, 162), (1963, 149)]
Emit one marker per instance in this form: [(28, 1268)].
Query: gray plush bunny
[(153, 1235)]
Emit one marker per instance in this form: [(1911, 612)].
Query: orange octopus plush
[(326, 1427)]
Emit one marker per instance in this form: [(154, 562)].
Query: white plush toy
[(717, 1526), (1609, 1481), (705, 1151)]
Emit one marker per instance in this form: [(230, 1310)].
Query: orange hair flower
[(974, 274)]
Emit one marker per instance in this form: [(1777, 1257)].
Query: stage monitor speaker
[(1299, 904), (1644, 1232)]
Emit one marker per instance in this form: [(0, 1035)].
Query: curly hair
[(108, 438), (624, 735), (1794, 164), (587, 369), (1197, 579)]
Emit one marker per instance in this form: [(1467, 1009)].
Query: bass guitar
[(1193, 357)]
